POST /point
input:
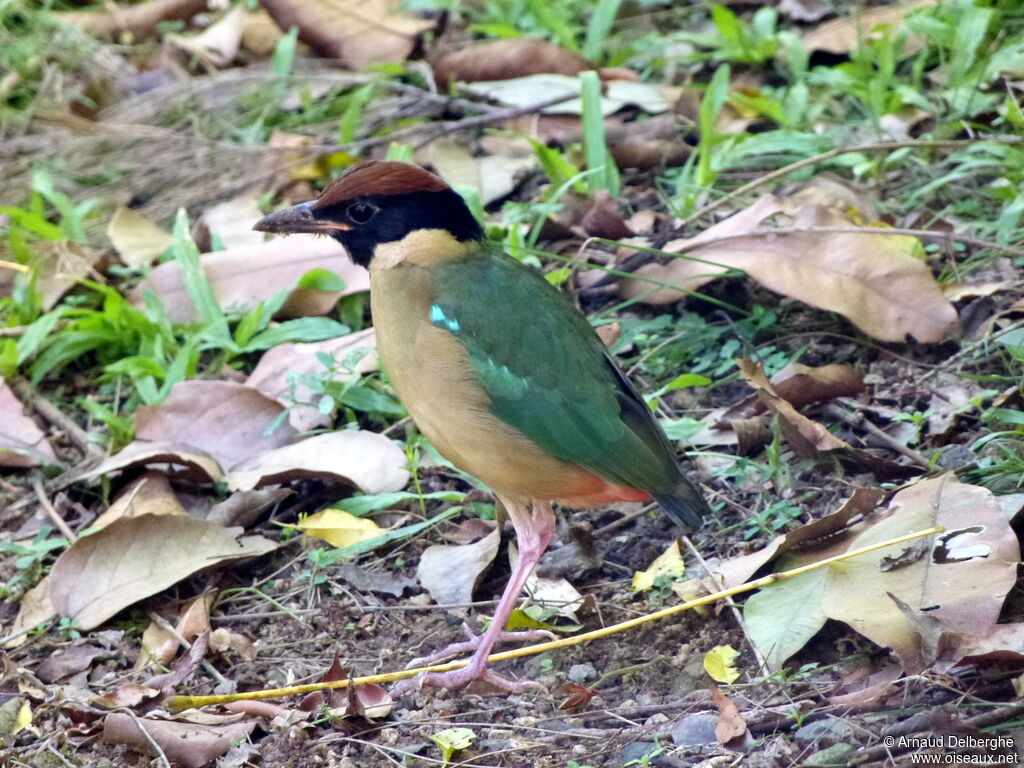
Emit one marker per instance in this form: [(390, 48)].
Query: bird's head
[(378, 202)]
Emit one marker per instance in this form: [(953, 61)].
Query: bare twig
[(51, 511), (876, 147), (858, 420)]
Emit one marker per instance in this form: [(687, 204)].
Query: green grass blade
[(598, 29)]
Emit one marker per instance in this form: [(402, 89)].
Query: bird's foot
[(473, 644)]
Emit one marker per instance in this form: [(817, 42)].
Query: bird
[(497, 368)]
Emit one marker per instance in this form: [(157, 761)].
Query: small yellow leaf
[(668, 563), (720, 664), (24, 718), (338, 528), (451, 740)]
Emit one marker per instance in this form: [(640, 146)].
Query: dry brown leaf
[(221, 418), (137, 21), (369, 700), (811, 440), (243, 277), (846, 34), (272, 372), (450, 572), (505, 60), (150, 494), (730, 725), (137, 240), (197, 464), (961, 583), (652, 143), (65, 662), (103, 573), (874, 280), (605, 218), (188, 745), (359, 32), (367, 460), (22, 443), (1002, 645), (802, 384)]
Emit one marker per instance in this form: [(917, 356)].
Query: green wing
[(547, 373)]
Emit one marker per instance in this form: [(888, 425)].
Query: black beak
[(298, 218)]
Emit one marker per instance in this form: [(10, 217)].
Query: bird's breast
[(431, 370)]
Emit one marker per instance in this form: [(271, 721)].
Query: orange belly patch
[(585, 489)]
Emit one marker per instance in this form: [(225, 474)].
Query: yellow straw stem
[(180, 703)]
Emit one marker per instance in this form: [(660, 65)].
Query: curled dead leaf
[(810, 439), (875, 280), (198, 464)]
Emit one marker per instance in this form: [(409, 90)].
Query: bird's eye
[(361, 213)]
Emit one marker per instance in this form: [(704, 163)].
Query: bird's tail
[(684, 504)]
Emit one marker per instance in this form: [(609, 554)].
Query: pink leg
[(534, 531)]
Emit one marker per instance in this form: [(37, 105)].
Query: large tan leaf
[(359, 32), (22, 442), (224, 419), (367, 460), (875, 280), (243, 277), (132, 558), (959, 581)]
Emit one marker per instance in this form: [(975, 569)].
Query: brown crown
[(379, 177)]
